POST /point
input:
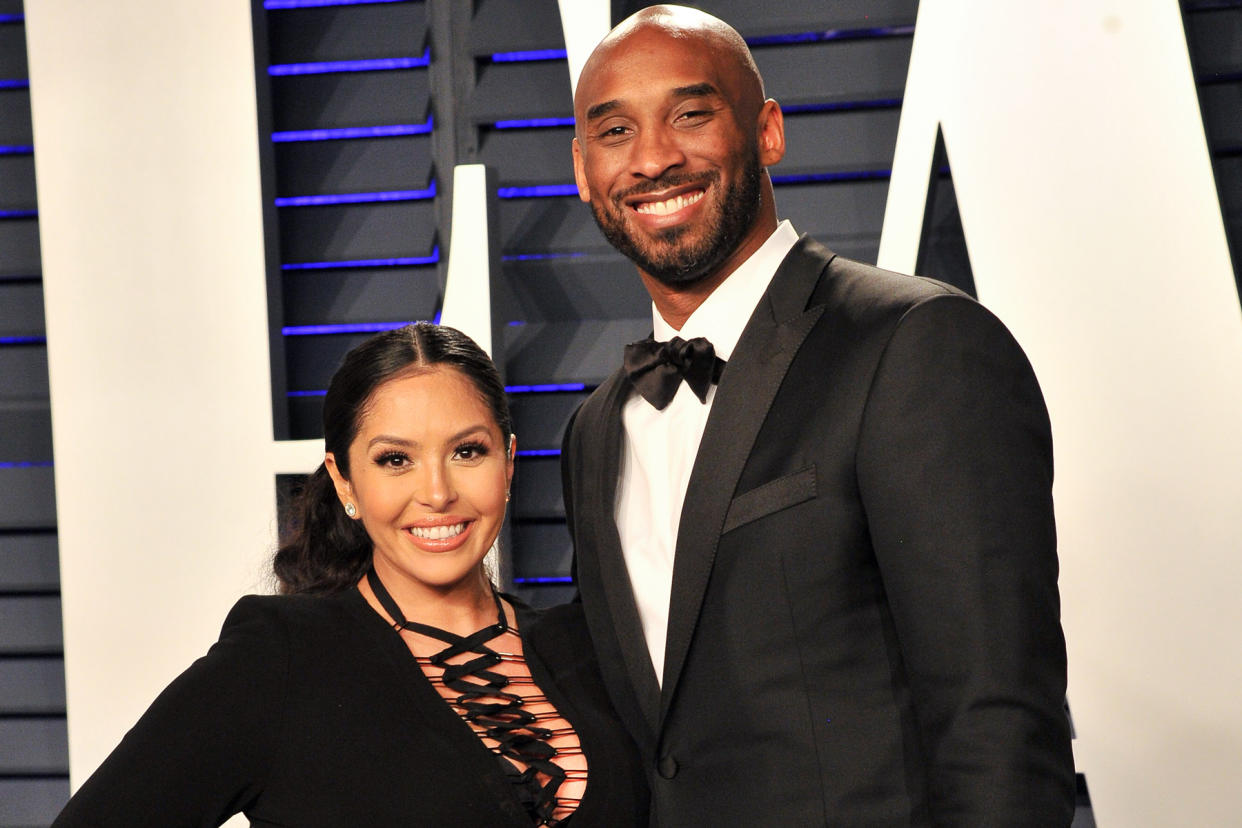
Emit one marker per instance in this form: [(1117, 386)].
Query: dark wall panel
[(583, 286), (350, 99), (333, 33), (529, 156), (21, 308), (29, 562), (19, 247), (515, 25), (15, 115), (35, 745), (28, 802), (835, 71), (357, 231), (17, 174), (359, 166), (31, 625), (343, 295)]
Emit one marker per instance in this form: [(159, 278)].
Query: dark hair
[(327, 551)]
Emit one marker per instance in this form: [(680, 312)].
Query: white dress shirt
[(660, 446)]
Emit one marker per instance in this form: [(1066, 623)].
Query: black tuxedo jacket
[(864, 624)]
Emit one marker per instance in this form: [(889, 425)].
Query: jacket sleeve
[(955, 473), (200, 752)]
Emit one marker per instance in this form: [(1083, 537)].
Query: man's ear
[(771, 133), (584, 189)]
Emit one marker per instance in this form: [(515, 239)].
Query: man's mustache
[(666, 182)]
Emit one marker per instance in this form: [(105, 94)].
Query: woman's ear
[(344, 490), (512, 455)]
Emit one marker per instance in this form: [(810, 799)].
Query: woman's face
[(429, 471)]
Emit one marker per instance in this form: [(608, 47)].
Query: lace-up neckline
[(494, 693)]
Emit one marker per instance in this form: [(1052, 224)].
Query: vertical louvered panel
[(34, 760), (1214, 35)]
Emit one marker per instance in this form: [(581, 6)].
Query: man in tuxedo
[(812, 515)]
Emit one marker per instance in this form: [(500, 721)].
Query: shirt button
[(667, 767)]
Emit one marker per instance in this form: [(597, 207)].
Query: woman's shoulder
[(292, 616)]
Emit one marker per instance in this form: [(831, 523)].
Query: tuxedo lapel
[(600, 476), (754, 373)]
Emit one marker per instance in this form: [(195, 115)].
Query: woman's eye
[(392, 460), (470, 451)]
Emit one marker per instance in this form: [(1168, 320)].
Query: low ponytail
[(327, 551)]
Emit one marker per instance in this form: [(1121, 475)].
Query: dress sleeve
[(955, 471), (201, 751)]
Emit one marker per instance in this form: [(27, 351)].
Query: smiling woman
[(391, 683)]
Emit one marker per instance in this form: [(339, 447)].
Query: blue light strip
[(357, 198), (23, 340), (14, 83), (12, 18), (346, 133), (280, 5), (539, 453), (397, 261), (327, 67), (22, 464), (538, 257), (360, 327), (840, 106), (531, 123), (16, 149), (18, 214), (322, 393), (809, 178), (537, 191), (529, 55), (831, 34), (545, 579), (550, 388)]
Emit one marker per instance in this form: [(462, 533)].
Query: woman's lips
[(441, 537)]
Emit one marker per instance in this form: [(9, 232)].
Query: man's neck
[(675, 304)]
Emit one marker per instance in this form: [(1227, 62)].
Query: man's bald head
[(711, 38)]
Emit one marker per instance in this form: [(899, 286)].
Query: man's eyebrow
[(601, 109), (694, 90)]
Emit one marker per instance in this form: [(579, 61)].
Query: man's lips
[(669, 205)]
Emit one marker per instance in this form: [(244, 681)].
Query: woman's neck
[(460, 609)]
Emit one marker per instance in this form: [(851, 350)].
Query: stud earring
[(506, 495), (351, 510)]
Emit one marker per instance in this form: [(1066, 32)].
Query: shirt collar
[(725, 312)]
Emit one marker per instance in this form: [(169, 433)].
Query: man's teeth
[(437, 532), (672, 205)]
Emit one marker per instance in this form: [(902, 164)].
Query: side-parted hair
[(327, 551)]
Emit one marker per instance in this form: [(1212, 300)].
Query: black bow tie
[(657, 368)]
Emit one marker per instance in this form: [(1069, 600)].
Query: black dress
[(311, 711)]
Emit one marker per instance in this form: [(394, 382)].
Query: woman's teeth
[(437, 532)]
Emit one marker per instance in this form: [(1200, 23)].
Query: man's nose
[(656, 151)]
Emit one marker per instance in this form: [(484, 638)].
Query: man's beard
[(681, 266)]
